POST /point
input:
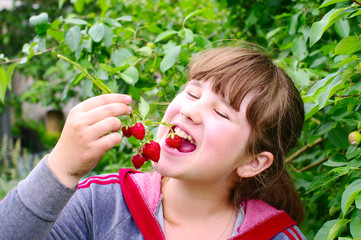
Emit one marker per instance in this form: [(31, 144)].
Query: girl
[(241, 115)]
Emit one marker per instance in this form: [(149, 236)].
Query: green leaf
[(73, 38), (39, 19), (164, 35), (355, 224), (187, 35), (318, 28), (197, 12), (299, 48), (170, 58), (324, 128), (143, 107), (96, 32), (61, 3), (334, 231), (346, 60), (76, 21), (79, 5), (87, 88), (3, 84), (331, 229), (349, 195), (202, 41), (273, 32), (56, 34), (336, 160), (348, 45), (119, 55), (342, 28), (310, 109), (125, 18), (108, 36), (332, 87), (70, 84), (358, 201), (324, 231), (9, 75), (338, 137), (301, 78), (130, 75), (325, 178), (145, 51), (356, 13), (111, 22), (102, 74), (133, 72), (330, 2)]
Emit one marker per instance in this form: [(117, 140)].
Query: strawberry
[(138, 160), (138, 131), (173, 141), (126, 131), (151, 150)]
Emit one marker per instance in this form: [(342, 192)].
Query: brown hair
[(276, 116)]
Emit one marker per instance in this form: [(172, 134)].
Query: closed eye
[(192, 95), (223, 115)]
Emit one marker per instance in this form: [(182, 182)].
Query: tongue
[(187, 146)]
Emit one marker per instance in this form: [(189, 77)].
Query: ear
[(256, 165)]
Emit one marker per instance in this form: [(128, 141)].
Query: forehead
[(233, 91)]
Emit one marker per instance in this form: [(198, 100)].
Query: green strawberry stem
[(105, 89), (163, 123), (95, 79)]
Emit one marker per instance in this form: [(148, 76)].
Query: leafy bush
[(142, 47)]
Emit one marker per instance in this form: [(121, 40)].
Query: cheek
[(232, 136)]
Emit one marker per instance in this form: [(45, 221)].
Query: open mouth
[(188, 143)]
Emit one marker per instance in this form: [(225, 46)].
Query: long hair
[(276, 116)]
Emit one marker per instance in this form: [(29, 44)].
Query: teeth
[(183, 134)]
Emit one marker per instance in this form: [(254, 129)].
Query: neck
[(196, 211), (186, 200)]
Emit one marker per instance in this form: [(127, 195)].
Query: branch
[(356, 2), (345, 96), (309, 166), (303, 149), (19, 59)]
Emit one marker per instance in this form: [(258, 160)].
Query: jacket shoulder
[(290, 233)]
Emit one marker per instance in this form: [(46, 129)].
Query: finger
[(103, 127), (108, 141), (104, 99), (105, 111)]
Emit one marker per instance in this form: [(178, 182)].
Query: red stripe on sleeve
[(101, 180), (296, 232), (289, 235)]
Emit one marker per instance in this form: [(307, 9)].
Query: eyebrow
[(195, 83), (198, 84)]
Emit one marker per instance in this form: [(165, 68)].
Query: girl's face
[(219, 133)]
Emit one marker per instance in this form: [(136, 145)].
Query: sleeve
[(291, 233), (32, 208)]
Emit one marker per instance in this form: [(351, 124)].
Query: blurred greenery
[(142, 48)]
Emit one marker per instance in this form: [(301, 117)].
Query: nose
[(192, 112)]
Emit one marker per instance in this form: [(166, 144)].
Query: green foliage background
[(142, 48)]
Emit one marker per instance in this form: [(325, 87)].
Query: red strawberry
[(138, 131), (126, 131), (138, 160), (173, 141), (151, 150)]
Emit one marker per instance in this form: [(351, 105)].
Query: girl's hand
[(87, 135)]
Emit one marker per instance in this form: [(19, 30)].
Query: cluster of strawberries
[(148, 149)]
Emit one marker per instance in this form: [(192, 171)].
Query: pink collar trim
[(256, 211)]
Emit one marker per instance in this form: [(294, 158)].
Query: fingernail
[(128, 99), (129, 109)]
